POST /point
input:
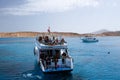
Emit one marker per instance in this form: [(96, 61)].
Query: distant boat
[(89, 39)]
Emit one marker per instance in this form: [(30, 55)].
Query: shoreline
[(64, 34)]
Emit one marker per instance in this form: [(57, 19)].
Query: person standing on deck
[(49, 30), (55, 58)]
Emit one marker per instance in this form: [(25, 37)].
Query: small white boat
[(89, 39), (52, 54)]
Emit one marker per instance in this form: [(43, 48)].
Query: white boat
[(52, 55), (89, 39)]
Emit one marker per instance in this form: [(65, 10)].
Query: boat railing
[(48, 41)]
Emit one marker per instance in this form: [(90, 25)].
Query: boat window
[(46, 53)]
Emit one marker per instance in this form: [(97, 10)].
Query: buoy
[(108, 52)]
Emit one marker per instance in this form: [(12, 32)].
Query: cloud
[(38, 6)]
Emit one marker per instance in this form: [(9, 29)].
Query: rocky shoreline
[(65, 34)]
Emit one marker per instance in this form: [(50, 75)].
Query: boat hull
[(53, 69), (89, 41), (63, 71)]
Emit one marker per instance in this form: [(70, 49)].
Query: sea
[(92, 61)]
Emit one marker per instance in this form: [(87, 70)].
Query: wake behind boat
[(52, 54), (89, 39)]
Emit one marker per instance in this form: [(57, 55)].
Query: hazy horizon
[(78, 16), (57, 31)]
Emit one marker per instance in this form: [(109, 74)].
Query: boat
[(52, 54), (89, 39)]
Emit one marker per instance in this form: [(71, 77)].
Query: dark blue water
[(91, 60)]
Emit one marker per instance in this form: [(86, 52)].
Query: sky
[(79, 16)]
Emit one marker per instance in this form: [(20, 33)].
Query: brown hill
[(33, 34), (112, 33)]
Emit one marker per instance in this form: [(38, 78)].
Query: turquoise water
[(91, 60)]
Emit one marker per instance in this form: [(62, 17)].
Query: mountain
[(100, 31), (111, 33)]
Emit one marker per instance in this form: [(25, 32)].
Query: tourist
[(48, 61), (40, 39), (62, 41), (64, 57)]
